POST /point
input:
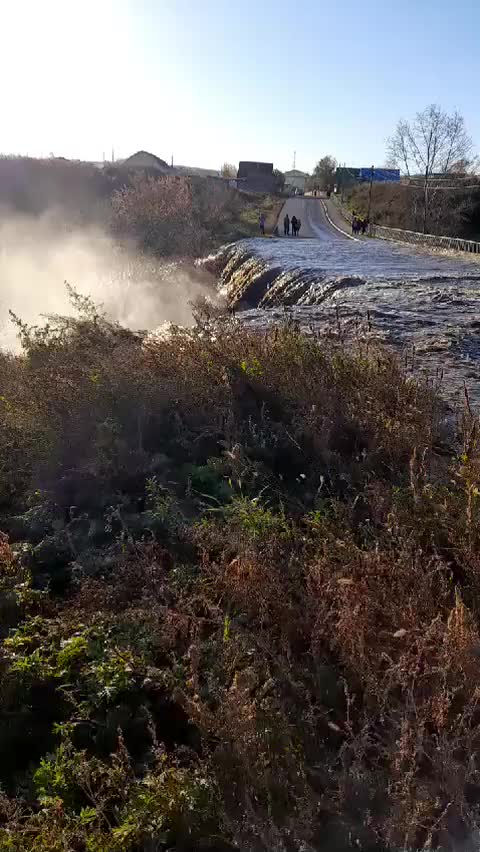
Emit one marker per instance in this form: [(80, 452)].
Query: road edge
[(329, 220)]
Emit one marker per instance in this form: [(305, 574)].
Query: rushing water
[(425, 305)]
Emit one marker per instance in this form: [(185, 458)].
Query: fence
[(452, 243), (382, 232)]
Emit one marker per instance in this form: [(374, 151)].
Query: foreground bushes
[(239, 596)]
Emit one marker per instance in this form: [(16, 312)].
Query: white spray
[(37, 256)]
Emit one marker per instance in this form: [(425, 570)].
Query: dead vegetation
[(181, 216), (453, 212), (162, 215), (240, 600)]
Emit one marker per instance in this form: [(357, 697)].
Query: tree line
[(435, 152), (433, 143)]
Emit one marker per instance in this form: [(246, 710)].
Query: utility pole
[(370, 193)]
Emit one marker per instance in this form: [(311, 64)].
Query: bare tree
[(431, 143), (228, 170)]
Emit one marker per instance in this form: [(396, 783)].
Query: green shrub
[(240, 605)]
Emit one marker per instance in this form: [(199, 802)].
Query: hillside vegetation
[(163, 215), (240, 596), (454, 213)]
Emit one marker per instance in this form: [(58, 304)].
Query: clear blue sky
[(215, 80)]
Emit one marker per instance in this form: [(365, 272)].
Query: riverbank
[(270, 206), (455, 247), (240, 593), (453, 211)]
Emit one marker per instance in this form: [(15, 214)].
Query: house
[(153, 166), (346, 177), (295, 181), (256, 177), (144, 161)]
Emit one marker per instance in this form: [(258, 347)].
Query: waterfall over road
[(425, 305)]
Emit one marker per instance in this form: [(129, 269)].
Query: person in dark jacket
[(286, 225), (294, 226), (261, 222), (299, 225)]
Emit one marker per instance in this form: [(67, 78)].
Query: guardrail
[(383, 232)]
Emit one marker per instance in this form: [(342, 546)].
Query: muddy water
[(426, 306)]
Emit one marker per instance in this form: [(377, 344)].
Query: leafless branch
[(433, 142)]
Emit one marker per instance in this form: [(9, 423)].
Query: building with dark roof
[(147, 162), (256, 177)]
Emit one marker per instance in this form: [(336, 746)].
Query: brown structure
[(256, 177), (144, 161)]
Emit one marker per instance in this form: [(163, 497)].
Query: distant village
[(251, 176)]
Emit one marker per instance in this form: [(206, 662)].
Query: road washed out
[(427, 306)]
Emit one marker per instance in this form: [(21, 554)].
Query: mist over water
[(38, 254), (426, 304)]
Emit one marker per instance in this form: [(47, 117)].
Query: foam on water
[(425, 305)]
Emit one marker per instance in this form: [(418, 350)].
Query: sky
[(214, 81)]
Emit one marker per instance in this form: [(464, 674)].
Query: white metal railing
[(383, 232)]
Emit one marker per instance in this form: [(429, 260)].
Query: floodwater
[(425, 305)]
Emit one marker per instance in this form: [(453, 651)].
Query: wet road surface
[(312, 214), (425, 305)]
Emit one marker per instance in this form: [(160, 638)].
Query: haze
[(213, 81)]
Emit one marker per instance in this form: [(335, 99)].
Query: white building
[(295, 180)]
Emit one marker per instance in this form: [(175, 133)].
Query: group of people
[(294, 223), (359, 225)]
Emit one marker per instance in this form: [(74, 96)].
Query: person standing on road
[(293, 221), (286, 225), (261, 222), (299, 225)]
